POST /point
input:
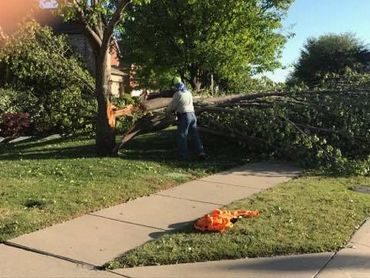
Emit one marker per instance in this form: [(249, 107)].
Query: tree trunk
[(212, 87), (196, 80), (197, 83), (105, 134)]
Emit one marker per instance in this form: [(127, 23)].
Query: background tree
[(329, 54), (100, 18), (200, 38)]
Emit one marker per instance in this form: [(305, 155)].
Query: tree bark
[(212, 87), (197, 84), (100, 33), (105, 134), (196, 81)]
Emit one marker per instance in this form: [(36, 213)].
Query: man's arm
[(173, 104)]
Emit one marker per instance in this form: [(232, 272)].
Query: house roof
[(59, 26), (117, 71)]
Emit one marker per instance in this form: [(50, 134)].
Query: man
[(182, 104)]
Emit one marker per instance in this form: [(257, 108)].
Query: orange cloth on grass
[(221, 220)]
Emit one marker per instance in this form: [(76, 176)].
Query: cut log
[(156, 103), (159, 121), (149, 123), (234, 99), (162, 94)]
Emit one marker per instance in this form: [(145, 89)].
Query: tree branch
[(117, 16), (93, 35), (89, 31)]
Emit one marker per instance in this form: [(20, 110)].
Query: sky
[(313, 18)]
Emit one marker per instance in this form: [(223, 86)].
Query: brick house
[(120, 77)]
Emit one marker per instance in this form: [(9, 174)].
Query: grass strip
[(47, 182), (305, 215)]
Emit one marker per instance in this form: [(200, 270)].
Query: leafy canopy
[(201, 37), (92, 12), (330, 54)]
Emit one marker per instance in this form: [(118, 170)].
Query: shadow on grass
[(157, 147), (176, 228), (38, 148), (50, 153), (163, 148)]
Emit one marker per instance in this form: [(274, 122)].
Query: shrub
[(6, 100), (15, 124), (47, 80)]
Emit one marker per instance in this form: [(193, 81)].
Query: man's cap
[(176, 80)]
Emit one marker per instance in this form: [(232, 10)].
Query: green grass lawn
[(304, 215), (42, 183)]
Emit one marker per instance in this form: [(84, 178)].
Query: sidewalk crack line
[(37, 251), (88, 266), (236, 185), (325, 265), (186, 199), (126, 222)]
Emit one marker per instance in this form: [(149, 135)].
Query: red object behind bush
[(15, 124)]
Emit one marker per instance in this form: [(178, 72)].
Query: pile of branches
[(328, 129)]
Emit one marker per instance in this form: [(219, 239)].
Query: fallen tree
[(329, 129)]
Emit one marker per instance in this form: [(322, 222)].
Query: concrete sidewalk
[(75, 248)]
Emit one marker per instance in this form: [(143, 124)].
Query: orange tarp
[(221, 220)]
